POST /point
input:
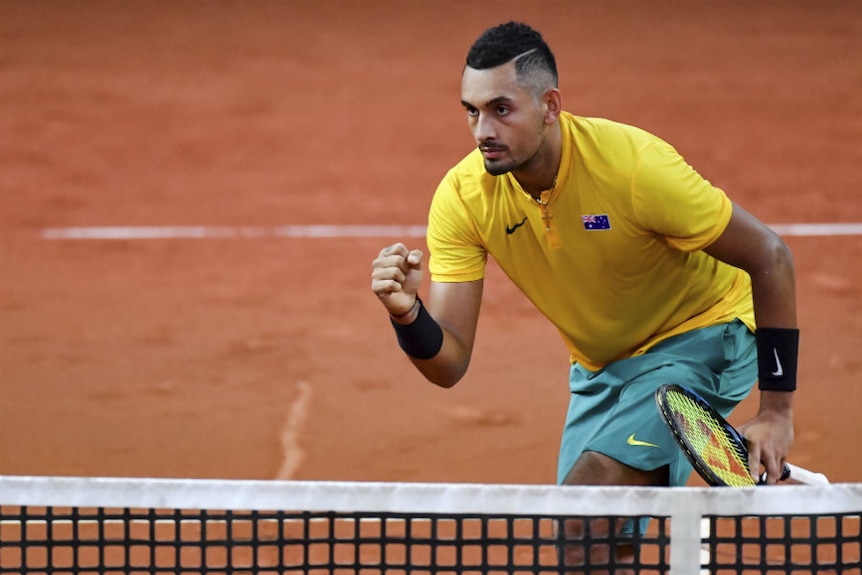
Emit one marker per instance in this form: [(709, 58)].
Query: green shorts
[(613, 410)]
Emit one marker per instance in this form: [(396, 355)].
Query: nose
[(484, 128)]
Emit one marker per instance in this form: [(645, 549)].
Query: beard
[(501, 165), (498, 167)]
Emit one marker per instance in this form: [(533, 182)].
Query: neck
[(540, 173), (535, 181)]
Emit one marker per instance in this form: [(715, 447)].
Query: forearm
[(777, 338), (436, 352), (444, 370), (773, 289)]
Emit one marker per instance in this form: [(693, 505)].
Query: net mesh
[(81, 525)]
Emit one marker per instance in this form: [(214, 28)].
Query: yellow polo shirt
[(614, 259)]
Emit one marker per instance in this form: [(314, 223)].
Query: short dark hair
[(501, 44)]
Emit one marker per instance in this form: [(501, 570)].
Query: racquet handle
[(807, 477), (798, 474)]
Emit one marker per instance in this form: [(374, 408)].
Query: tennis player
[(650, 273)]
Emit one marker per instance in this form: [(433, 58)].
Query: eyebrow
[(493, 102)]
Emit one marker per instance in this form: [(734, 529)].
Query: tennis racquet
[(717, 451)]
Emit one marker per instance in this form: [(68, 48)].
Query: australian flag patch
[(596, 222)]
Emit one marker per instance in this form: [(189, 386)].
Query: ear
[(553, 105)]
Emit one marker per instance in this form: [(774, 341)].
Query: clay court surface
[(267, 356)]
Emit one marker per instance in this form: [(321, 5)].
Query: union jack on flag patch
[(596, 222)]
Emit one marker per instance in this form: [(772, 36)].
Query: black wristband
[(422, 338), (777, 352)]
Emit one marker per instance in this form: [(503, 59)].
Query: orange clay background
[(269, 357)]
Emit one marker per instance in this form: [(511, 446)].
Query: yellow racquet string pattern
[(710, 441)]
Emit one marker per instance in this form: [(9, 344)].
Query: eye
[(471, 111), (502, 110)]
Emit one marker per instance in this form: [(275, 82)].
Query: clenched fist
[(396, 275)]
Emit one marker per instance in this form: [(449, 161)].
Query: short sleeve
[(673, 200), (456, 253)]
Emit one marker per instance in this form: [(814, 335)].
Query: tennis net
[(124, 525)]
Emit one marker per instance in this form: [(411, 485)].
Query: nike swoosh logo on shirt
[(516, 226), (779, 371)]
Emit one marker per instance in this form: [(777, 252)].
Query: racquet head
[(715, 449)]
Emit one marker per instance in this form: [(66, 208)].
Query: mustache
[(491, 147)]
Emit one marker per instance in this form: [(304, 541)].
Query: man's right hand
[(396, 275)]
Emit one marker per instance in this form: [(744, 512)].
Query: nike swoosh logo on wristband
[(779, 371)]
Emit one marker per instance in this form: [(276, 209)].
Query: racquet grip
[(807, 477), (798, 474)]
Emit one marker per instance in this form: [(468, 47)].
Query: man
[(650, 274)]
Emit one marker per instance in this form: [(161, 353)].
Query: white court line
[(206, 232), (848, 229), (337, 231)]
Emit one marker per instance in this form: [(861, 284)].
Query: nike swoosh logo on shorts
[(632, 441), (516, 226), (779, 371)]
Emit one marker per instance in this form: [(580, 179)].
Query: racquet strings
[(710, 440)]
